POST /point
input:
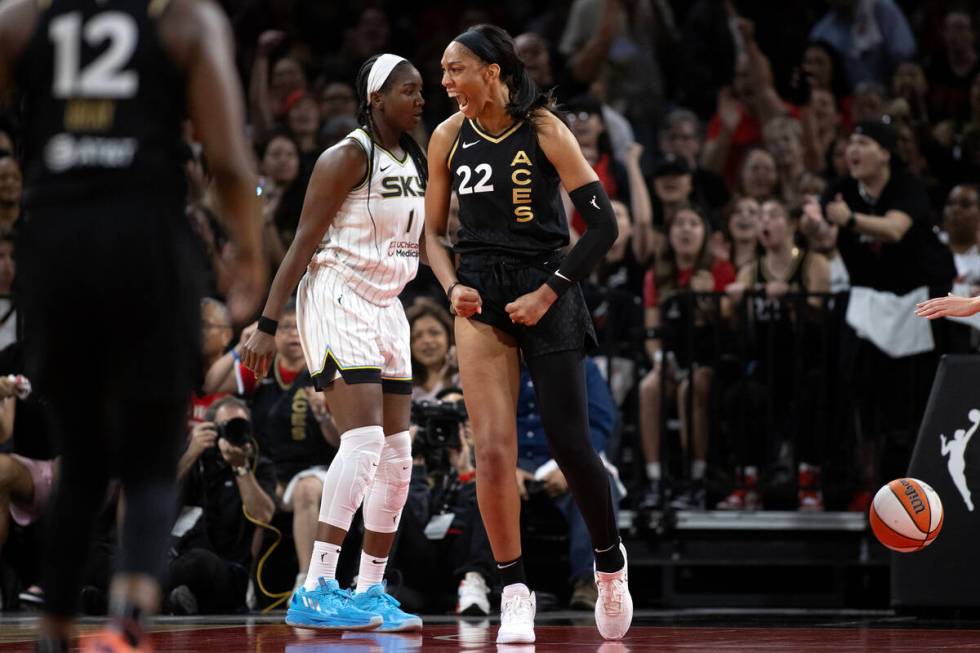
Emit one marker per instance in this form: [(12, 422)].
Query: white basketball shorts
[(347, 337)]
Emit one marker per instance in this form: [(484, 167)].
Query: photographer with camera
[(223, 484), (443, 543), (293, 426)]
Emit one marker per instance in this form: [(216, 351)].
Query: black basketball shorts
[(111, 300), (500, 279)]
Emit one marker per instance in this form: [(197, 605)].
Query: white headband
[(380, 70)]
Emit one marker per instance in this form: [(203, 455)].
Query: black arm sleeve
[(594, 206)]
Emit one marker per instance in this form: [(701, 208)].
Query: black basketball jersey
[(775, 310), (508, 192), (103, 103)]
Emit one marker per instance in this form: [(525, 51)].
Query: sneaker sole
[(515, 638), (614, 634), (306, 622), (407, 627)]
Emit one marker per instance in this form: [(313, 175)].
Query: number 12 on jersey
[(104, 77)]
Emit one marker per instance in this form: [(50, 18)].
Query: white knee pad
[(350, 475), (383, 506)]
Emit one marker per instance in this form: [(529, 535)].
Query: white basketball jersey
[(373, 242)]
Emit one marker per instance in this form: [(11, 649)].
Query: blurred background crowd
[(789, 179)]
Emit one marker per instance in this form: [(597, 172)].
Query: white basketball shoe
[(614, 609), (473, 596), (517, 608)]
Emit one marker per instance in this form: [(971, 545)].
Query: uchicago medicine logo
[(405, 248)]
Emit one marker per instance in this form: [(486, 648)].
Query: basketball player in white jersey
[(358, 240)]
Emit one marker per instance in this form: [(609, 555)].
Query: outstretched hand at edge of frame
[(948, 306)]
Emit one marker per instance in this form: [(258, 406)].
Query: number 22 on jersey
[(521, 178)]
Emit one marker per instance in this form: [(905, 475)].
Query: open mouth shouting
[(461, 100)]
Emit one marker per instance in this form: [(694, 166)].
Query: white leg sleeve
[(383, 506), (350, 475)]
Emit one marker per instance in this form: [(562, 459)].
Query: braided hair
[(364, 118)]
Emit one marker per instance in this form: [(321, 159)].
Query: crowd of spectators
[(777, 170)]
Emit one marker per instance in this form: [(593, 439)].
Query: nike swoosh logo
[(384, 168), (377, 562), (593, 203), (466, 145)]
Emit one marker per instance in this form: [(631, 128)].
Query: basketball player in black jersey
[(112, 318), (505, 155)]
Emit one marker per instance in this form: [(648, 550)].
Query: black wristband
[(558, 283), (449, 291), (267, 326), (851, 222)]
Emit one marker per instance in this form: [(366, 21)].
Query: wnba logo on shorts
[(403, 248)]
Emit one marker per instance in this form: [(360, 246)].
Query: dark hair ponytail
[(365, 119), (494, 45)]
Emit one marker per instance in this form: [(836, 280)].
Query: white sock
[(697, 469), (323, 562), (653, 471), (371, 572)]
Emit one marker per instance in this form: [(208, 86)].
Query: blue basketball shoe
[(328, 608), (378, 602)]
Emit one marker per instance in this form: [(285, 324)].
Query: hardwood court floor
[(788, 631)]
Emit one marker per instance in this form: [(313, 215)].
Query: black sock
[(512, 572), (127, 619), (610, 559)]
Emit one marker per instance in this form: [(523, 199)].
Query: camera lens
[(236, 431)]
